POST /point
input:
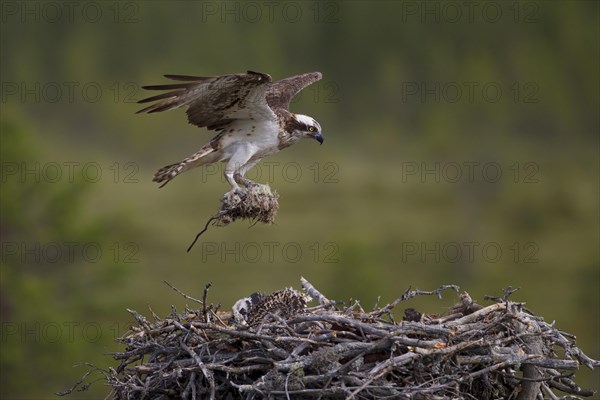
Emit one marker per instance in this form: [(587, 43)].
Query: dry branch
[(496, 351)]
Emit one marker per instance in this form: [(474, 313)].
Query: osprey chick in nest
[(249, 112), (257, 307)]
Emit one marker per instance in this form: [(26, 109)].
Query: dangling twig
[(211, 219)]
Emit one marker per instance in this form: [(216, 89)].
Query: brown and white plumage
[(256, 308), (249, 112)]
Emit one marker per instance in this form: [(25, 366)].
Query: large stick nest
[(276, 347)]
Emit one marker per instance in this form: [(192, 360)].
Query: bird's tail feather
[(168, 172)]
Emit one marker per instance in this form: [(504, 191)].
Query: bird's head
[(305, 126), (244, 306)]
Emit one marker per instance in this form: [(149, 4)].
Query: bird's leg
[(236, 168), (243, 180), (239, 174), (230, 176)]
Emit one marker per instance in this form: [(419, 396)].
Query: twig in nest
[(208, 285), (81, 385), (506, 294), (313, 292), (185, 295), (257, 203), (409, 294)]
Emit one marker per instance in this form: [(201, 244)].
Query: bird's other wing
[(214, 102), (281, 93)]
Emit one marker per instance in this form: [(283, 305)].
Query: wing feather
[(168, 87), (186, 77), (214, 102), (158, 97), (281, 93)]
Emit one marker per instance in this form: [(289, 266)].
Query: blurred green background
[(461, 146)]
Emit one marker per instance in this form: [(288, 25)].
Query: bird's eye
[(311, 128)]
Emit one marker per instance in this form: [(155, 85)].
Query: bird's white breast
[(258, 138)]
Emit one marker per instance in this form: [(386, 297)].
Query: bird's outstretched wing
[(281, 93), (214, 102)]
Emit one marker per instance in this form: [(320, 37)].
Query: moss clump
[(256, 203)]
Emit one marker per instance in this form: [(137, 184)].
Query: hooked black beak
[(318, 137)]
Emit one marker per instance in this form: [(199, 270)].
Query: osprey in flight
[(249, 112)]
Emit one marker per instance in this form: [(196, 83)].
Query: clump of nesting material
[(257, 203)]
